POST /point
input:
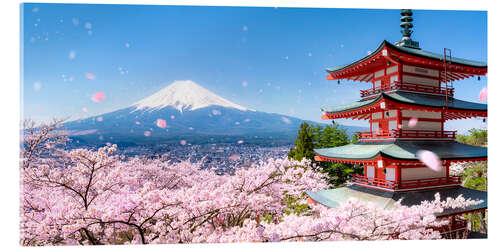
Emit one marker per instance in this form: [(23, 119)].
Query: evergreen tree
[(304, 143)]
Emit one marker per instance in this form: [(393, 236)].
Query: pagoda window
[(377, 115), (393, 125), (421, 71), (421, 80), (421, 114), (390, 174), (394, 78), (392, 69), (377, 84), (370, 171), (379, 73), (421, 173), (375, 126)]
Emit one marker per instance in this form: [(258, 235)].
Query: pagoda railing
[(407, 184), (397, 85), (405, 133)]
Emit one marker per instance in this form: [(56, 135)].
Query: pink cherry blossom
[(430, 159), (147, 133), (183, 142), (286, 120), (137, 122), (99, 119), (412, 122), (89, 76), (161, 123), (98, 97), (240, 141), (234, 157), (172, 117), (483, 95)]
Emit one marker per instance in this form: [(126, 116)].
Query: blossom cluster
[(99, 197)]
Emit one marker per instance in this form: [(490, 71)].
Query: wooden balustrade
[(407, 184), (397, 85), (400, 133)]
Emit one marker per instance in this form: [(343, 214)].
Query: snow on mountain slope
[(184, 95)]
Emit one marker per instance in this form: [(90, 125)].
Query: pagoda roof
[(403, 150), (387, 200), (411, 51), (401, 96)]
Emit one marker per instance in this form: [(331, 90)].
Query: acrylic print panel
[(195, 124)]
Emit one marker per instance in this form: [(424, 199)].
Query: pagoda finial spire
[(406, 25)]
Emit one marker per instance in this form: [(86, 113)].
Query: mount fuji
[(189, 113)]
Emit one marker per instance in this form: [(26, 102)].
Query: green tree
[(303, 144), (317, 136), (477, 137)]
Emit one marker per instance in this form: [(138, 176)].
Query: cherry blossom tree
[(97, 197)]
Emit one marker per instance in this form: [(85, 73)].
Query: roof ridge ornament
[(406, 25)]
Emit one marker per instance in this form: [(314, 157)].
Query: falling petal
[(244, 84), (99, 119), (137, 123), (88, 25), (98, 97), (237, 123), (191, 128), (240, 141), (483, 95), (127, 45), (286, 120), (430, 159), (147, 133), (183, 142), (161, 123), (37, 85), (234, 157), (172, 117), (90, 76), (216, 112), (72, 55), (309, 54), (413, 122), (246, 120), (101, 137)]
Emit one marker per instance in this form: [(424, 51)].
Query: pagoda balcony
[(369, 93), (406, 184), (400, 133)]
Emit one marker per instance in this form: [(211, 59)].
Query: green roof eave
[(416, 52), (387, 200), (425, 100), (404, 150)]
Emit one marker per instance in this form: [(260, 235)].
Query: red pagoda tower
[(406, 83)]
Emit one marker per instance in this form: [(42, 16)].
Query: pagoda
[(407, 83)]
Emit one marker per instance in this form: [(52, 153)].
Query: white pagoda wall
[(421, 125)]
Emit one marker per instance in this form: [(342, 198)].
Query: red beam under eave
[(330, 77)]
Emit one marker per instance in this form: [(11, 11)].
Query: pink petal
[(234, 157), (161, 123), (99, 119), (240, 141), (137, 123), (90, 76), (98, 97), (430, 159), (413, 122), (483, 95), (285, 120), (183, 142), (172, 117), (147, 133)]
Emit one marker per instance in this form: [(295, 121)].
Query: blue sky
[(280, 54)]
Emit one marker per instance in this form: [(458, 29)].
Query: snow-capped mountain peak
[(184, 95)]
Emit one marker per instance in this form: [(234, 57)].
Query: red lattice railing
[(407, 184), (400, 133), (397, 85)]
